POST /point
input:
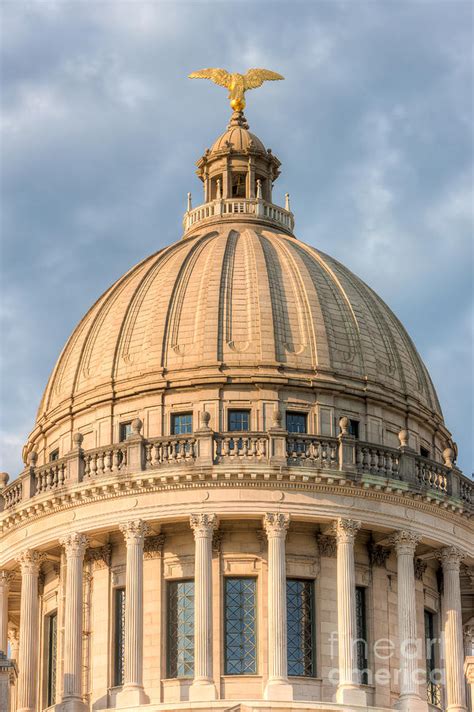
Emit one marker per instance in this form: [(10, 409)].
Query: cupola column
[(30, 562), (348, 690), (451, 558), (203, 687), (133, 692), (5, 579), (74, 546), (405, 543), (278, 687)]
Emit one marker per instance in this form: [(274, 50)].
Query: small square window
[(54, 455), (296, 422), (354, 428), (424, 452), (239, 420), (125, 431), (181, 423)]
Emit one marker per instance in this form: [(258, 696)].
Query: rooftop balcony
[(231, 209), (288, 459)]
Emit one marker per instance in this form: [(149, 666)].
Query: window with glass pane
[(361, 631), (51, 668), (240, 622), (181, 423), (239, 420), (296, 422), (125, 430), (300, 627), (433, 688), (119, 635), (181, 629), (354, 428)]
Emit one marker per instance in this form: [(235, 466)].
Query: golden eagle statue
[(237, 84)]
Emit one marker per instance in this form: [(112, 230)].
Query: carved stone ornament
[(450, 558), (203, 525), (262, 539), (327, 545), (403, 438), (405, 542), (6, 577), (346, 530), (153, 546), (75, 544), (378, 555), (30, 561), (420, 568), (276, 524), (217, 541), (134, 532), (100, 557), (469, 572)]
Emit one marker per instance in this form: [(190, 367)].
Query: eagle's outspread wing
[(255, 77), (219, 76)]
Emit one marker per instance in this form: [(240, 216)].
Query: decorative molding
[(153, 546), (327, 545)]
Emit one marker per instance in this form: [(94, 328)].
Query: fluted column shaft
[(348, 690), (452, 628), (5, 579), (75, 546), (203, 526), (134, 534), (30, 562), (278, 687), (405, 543)]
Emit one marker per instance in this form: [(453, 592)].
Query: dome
[(238, 137), (238, 303)]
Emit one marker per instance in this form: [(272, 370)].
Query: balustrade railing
[(210, 448), (312, 451), (377, 460), (229, 207)]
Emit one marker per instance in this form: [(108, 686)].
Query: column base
[(278, 691), (456, 708), (412, 703), (132, 697), (74, 704), (202, 691), (351, 695)]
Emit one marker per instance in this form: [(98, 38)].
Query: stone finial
[(448, 457), (218, 190), (344, 425), (403, 438), (259, 189), (287, 202), (276, 418), (32, 458), (4, 477), (204, 420), (136, 426), (190, 203), (77, 440)]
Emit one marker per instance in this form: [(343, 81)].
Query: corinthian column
[(132, 692), (5, 579), (405, 543), (451, 558), (75, 546), (203, 687), (348, 689), (278, 687), (30, 562)]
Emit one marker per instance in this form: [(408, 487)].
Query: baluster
[(100, 462), (116, 459), (334, 449), (388, 464), (225, 443), (253, 447), (108, 461), (94, 465), (324, 453)]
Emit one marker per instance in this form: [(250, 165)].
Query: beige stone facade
[(239, 469)]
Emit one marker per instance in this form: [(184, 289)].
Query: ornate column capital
[(134, 531), (346, 530), (6, 577), (74, 544), (153, 546), (30, 561), (327, 545), (405, 542), (100, 556), (451, 557), (276, 524), (203, 525)]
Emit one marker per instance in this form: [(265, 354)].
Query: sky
[(101, 128)]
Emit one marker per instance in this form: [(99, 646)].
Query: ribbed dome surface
[(238, 301), (240, 138)]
